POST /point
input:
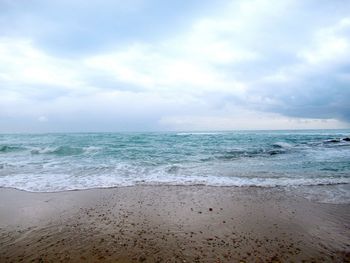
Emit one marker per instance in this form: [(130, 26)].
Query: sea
[(312, 163)]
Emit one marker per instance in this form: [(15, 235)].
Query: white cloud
[(251, 64), (158, 69), (331, 44), (23, 63)]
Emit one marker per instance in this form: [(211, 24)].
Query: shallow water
[(294, 159)]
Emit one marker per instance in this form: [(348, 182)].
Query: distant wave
[(284, 145), (7, 148), (250, 153), (65, 150), (337, 140), (236, 153), (59, 150), (198, 133)]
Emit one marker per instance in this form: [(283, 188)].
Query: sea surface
[(312, 163)]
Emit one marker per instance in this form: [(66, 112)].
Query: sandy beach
[(171, 224)]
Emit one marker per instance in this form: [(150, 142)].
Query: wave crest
[(60, 150), (8, 148)]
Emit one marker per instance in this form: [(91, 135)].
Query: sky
[(154, 65)]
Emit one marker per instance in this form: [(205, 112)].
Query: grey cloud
[(71, 28), (320, 95)]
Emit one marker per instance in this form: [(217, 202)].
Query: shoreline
[(178, 185), (157, 185), (171, 224)]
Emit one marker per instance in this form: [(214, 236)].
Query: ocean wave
[(238, 153), (8, 148), (337, 141), (198, 133), (92, 149), (249, 153), (59, 150), (66, 150), (283, 145), (47, 163), (65, 182)]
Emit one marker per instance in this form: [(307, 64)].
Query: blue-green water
[(57, 162)]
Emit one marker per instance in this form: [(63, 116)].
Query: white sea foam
[(63, 182), (282, 145)]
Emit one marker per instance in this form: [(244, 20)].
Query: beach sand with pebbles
[(171, 224)]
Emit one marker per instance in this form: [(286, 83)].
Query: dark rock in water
[(347, 139), (275, 152), (332, 140)]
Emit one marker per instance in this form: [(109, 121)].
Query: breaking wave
[(7, 148)]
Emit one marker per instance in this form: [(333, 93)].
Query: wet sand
[(171, 224)]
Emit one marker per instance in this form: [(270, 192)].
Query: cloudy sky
[(146, 65)]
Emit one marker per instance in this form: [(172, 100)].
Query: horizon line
[(174, 131)]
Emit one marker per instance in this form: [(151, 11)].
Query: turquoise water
[(294, 159)]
